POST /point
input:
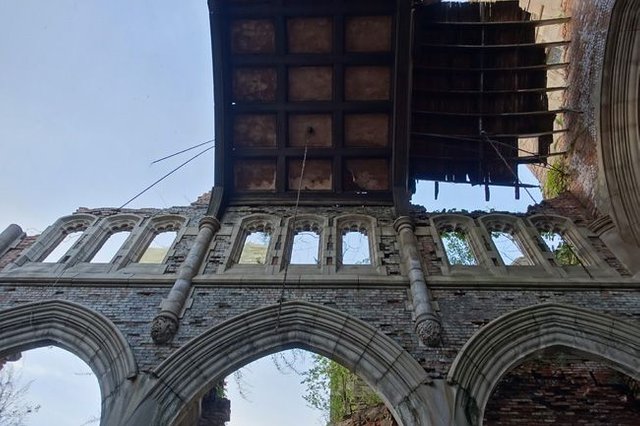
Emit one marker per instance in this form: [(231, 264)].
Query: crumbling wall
[(590, 20), (562, 389)]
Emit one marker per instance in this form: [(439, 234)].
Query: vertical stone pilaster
[(428, 324), (165, 324)]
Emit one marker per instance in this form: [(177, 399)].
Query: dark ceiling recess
[(479, 84), (315, 100), (304, 99)]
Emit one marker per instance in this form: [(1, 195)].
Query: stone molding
[(165, 325), (511, 338), (54, 234), (379, 360), (80, 330), (428, 326), (619, 144)]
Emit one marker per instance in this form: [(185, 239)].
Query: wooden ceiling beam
[(497, 46), (535, 23), (500, 135), (491, 114), (493, 92), (544, 67)]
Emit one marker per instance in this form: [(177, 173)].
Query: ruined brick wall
[(590, 19), (465, 310), (132, 308), (378, 415), (562, 390), (381, 298), (13, 253)]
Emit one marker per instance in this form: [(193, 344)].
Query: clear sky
[(91, 92)]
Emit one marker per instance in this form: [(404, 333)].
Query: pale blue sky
[(92, 91)]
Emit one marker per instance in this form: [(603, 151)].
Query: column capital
[(209, 222), (403, 222)]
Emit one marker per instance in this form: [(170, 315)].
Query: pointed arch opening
[(512, 338), (391, 371), (85, 333)]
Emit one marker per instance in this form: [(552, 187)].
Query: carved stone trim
[(163, 328), (429, 330)]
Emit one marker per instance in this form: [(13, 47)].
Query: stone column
[(428, 324), (165, 324), (9, 236)]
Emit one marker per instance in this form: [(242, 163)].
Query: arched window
[(158, 248), (555, 238), (109, 242), (305, 245), (255, 245), (57, 245), (563, 253), (63, 247), (457, 247), (355, 240), (509, 239), (110, 247), (454, 232), (355, 247)]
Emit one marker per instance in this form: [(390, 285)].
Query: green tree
[(457, 248), (335, 390)]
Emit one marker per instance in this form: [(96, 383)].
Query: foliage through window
[(509, 250), (347, 393), (304, 250), (159, 247), (355, 248), (254, 250), (561, 249), (63, 247), (457, 247), (110, 248)]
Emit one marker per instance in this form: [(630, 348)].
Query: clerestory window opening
[(509, 249), (63, 247), (110, 247), (457, 248), (158, 248), (561, 248), (255, 247), (305, 248), (355, 248)]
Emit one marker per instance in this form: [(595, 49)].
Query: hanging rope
[(309, 133), (166, 176), (182, 151)]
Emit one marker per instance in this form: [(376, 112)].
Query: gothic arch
[(379, 360), (83, 332), (619, 115), (511, 338)]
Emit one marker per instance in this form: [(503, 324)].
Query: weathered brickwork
[(465, 311), (133, 309), (13, 253), (381, 295), (562, 390), (588, 34)]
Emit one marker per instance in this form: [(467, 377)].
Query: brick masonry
[(384, 304), (561, 389)]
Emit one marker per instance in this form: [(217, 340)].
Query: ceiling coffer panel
[(304, 98)]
